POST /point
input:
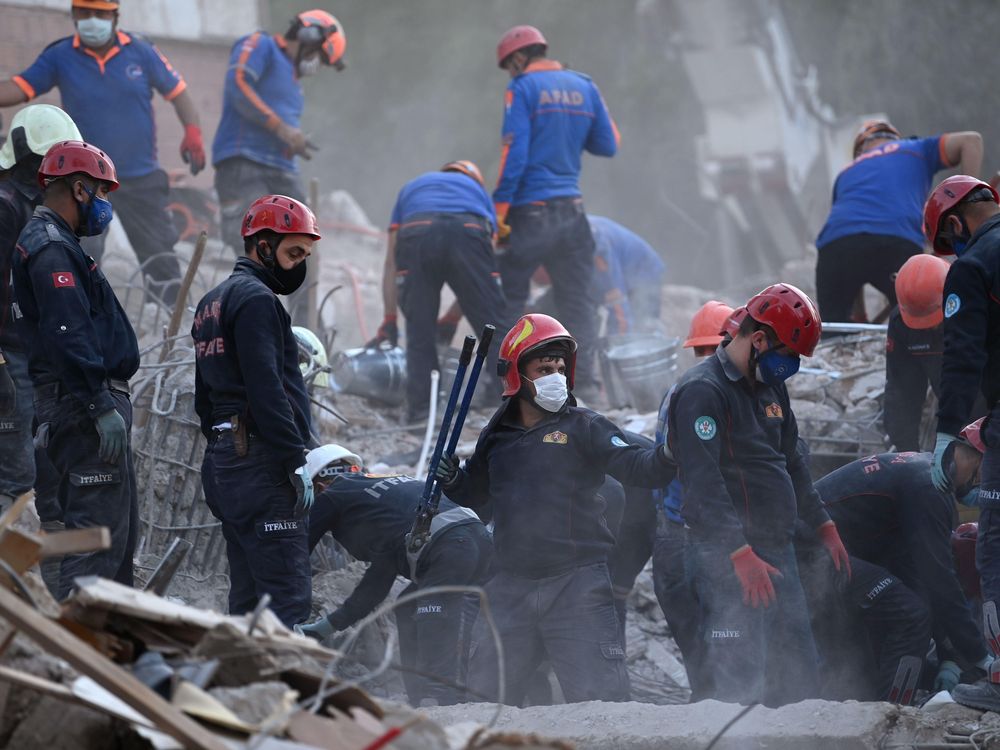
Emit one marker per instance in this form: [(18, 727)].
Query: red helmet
[(467, 168), (963, 550), (871, 129), (707, 324), (972, 434), (532, 332), (77, 157), (318, 26), (732, 324), (280, 214), (948, 194), (920, 289), (791, 314), (517, 38)]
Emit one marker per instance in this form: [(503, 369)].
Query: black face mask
[(287, 282)]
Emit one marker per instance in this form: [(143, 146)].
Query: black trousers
[(845, 265), (239, 182)]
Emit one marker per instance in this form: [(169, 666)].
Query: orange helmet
[(874, 129), (972, 434), (72, 157), (707, 324), (517, 38), (280, 214), (531, 333), (96, 4), (791, 315), (317, 27), (920, 289), (466, 167)]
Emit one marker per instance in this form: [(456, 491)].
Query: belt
[(429, 217), (55, 389)]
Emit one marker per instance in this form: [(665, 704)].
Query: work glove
[(948, 676), (447, 471), (304, 495), (446, 331), (387, 332), (938, 475), (114, 436), (830, 538), (755, 577), (318, 631), (298, 142), (503, 228), (193, 148), (8, 391)]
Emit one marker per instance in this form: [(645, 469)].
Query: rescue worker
[(961, 218), (81, 353), (259, 134), (673, 589), (731, 429), (874, 222), (913, 347), (370, 516), (8, 391), (440, 233), (541, 461), (106, 78), (551, 115), (890, 514), (254, 410)]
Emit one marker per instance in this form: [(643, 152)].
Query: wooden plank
[(41, 685), (60, 642), (19, 550), (14, 511), (75, 541)]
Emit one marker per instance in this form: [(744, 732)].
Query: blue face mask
[(776, 368), (971, 498), (94, 216)]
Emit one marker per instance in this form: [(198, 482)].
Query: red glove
[(193, 148), (755, 577), (387, 332), (830, 538)]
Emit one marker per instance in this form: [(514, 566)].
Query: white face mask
[(309, 66), (95, 32), (551, 391)]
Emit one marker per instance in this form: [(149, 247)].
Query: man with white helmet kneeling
[(370, 516)]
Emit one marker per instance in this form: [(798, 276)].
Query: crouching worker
[(541, 462), (370, 516)]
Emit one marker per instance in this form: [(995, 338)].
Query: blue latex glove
[(949, 673), (938, 475), (322, 629), (114, 436), (303, 485)]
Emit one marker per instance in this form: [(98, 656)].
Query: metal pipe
[(854, 327)]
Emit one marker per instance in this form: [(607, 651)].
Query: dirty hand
[(298, 142), (447, 471), (304, 495), (830, 538), (938, 474), (318, 631), (387, 332), (503, 232), (948, 676), (114, 436), (755, 577), (193, 148), (8, 392), (446, 331)]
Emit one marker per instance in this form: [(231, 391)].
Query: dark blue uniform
[(81, 352), (912, 363), (553, 596), (247, 374), (371, 516), (744, 482)]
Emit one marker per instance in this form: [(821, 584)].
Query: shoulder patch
[(774, 410), (53, 232), (557, 437), (618, 442), (952, 305), (63, 279), (704, 428)]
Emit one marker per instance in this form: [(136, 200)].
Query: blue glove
[(114, 436), (303, 485), (949, 673), (322, 629), (938, 475)]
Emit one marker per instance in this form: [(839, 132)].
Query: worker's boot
[(985, 695), (50, 566)]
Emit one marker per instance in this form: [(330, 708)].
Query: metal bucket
[(638, 369), (378, 374)]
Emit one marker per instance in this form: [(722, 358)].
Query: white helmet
[(44, 125), (312, 355), (320, 458)]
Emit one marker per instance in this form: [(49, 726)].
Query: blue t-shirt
[(109, 98), (261, 91), (883, 191), (442, 192), (551, 116), (623, 262)]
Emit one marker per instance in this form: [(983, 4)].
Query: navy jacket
[(370, 517), (18, 200), (68, 317), (543, 484), (743, 479), (889, 513), (248, 363), (971, 329), (912, 362)]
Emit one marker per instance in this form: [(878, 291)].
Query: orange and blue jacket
[(551, 115)]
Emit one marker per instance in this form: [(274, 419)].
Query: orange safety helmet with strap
[(943, 199), (466, 167), (874, 129), (317, 27), (789, 312), (707, 324), (532, 333), (517, 38), (77, 157), (920, 289), (280, 214)]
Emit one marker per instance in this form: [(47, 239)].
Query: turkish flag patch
[(63, 278)]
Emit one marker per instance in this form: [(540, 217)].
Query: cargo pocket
[(95, 476), (283, 545)]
